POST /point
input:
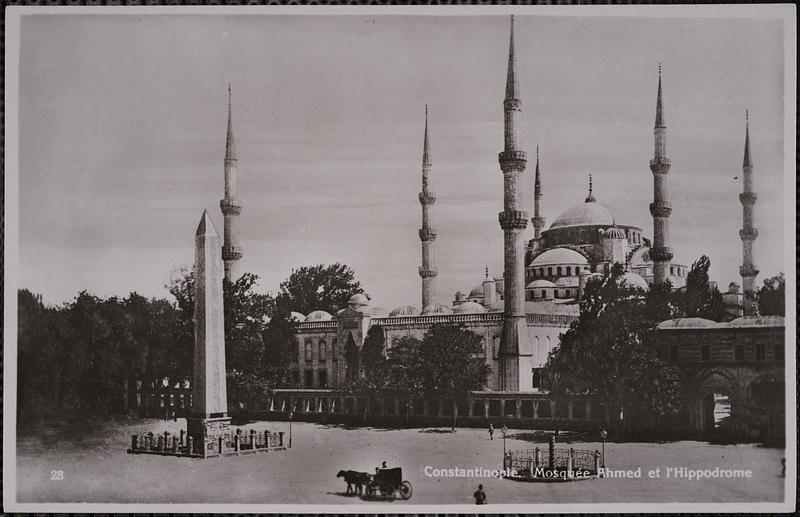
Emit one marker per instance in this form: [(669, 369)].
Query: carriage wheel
[(371, 490), (388, 493), (405, 490)]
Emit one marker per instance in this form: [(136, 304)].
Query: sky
[(122, 124)]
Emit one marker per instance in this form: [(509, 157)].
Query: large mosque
[(521, 314)]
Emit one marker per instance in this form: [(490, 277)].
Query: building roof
[(540, 283), (296, 316), (469, 307), (559, 256), (437, 308), (584, 214), (632, 279), (318, 316), (404, 310), (358, 300), (685, 323), (758, 321), (614, 233)]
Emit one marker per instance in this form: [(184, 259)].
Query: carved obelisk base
[(206, 434)]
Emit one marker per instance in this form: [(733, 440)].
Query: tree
[(603, 352), (320, 287), (373, 353), (771, 297), (700, 299), (404, 370), (452, 363)]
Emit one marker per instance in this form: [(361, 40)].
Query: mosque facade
[(521, 314)]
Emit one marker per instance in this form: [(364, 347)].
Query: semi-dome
[(404, 310), (632, 279), (567, 281), (687, 323), (541, 283), (318, 316), (559, 256), (469, 307), (296, 316), (358, 300), (584, 214), (437, 308), (614, 233)]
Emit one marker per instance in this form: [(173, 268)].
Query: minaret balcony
[(660, 165), (512, 104), (748, 198), (660, 254), (748, 234), (428, 272), (230, 206), (748, 270), (513, 220), (427, 234), (660, 209), (232, 252), (538, 222), (427, 198), (513, 156)]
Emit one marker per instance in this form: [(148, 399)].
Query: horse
[(354, 479)]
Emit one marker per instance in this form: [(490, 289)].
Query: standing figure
[(491, 432), (479, 495)]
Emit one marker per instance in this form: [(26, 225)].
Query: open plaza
[(97, 469)]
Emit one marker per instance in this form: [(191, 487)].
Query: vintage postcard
[(400, 259)]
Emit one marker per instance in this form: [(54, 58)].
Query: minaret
[(660, 208), (748, 234), (427, 234), (537, 220), (231, 207), (513, 220)]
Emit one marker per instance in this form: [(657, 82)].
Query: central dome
[(585, 214)]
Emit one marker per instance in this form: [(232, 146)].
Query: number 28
[(56, 475)]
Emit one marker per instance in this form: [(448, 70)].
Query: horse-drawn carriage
[(389, 483)]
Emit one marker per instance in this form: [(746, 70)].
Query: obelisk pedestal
[(209, 419)]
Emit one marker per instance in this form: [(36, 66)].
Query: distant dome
[(469, 307), (476, 291), (677, 282), (758, 321), (404, 310), (614, 233), (296, 316), (541, 284), (686, 323), (559, 256), (318, 316), (584, 214), (437, 308), (357, 300), (631, 279), (567, 281)]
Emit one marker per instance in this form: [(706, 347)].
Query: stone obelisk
[(209, 420)]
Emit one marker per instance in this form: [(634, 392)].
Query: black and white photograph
[(400, 259)]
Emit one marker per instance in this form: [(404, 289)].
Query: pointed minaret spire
[(748, 233), (660, 209), (512, 86), (537, 220), (427, 234), (487, 272), (513, 220), (230, 205)]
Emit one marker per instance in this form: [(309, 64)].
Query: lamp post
[(504, 432), (603, 435), (291, 415)]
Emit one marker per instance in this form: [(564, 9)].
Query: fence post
[(183, 434), (280, 438), (190, 448), (253, 439), (537, 456), (174, 444), (570, 461), (134, 440), (220, 445), (266, 439), (552, 451), (236, 442), (166, 437), (597, 463)]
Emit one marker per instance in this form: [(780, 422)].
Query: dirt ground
[(96, 468)]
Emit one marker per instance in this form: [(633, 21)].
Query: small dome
[(631, 279), (614, 233), (540, 284), (469, 307), (437, 308), (405, 310), (677, 282), (559, 256), (567, 281), (758, 321), (318, 316), (733, 287), (357, 300), (476, 291), (585, 214), (687, 323), (296, 316)]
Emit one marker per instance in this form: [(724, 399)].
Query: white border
[(787, 12)]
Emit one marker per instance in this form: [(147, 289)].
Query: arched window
[(309, 351), (569, 271), (541, 271), (548, 344), (322, 347), (536, 346), (544, 293), (549, 271), (558, 271)]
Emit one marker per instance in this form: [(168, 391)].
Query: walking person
[(491, 432), (479, 495)]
